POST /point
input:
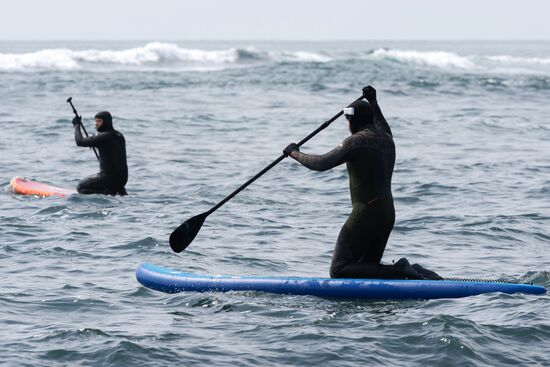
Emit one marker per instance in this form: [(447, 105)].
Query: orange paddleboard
[(25, 187)]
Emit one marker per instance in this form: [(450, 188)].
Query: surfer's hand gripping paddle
[(369, 93), (70, 101), (182, 236)]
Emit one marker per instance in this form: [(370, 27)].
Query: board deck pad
[(172, 281), (22, 186)]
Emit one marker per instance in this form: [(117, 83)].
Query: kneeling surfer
[(113, 170), (369, 154)]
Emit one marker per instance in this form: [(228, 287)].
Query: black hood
[(362, 116), (107, 120)]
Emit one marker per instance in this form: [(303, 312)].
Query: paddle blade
[(185, 233)]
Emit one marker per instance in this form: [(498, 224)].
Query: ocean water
[(471, 186)]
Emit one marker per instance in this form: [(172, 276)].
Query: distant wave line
[(151, 53), (172, 56)]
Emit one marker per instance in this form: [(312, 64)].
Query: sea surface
[(471, 123)]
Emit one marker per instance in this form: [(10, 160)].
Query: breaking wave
[(440, 59), (472, 63), (170, 56), (151, 54), (520, 60)]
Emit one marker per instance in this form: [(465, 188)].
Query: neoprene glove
[(290, 148), (369, 93), (77, 120)]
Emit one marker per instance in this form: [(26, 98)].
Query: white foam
[(519, 60), (45, 59), (154, 53), (439, 59), (299, 56)]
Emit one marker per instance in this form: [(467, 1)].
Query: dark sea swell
[(471, 187)]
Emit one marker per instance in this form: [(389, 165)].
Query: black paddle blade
[(184, 234)]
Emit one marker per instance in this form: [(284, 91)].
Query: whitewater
[(166, 56)]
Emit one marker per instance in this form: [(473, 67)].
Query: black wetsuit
[(370, 157), (113, 170)]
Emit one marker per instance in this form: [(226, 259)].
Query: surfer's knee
[(86, 187), (82, 189), (86, 191), (337, 272)]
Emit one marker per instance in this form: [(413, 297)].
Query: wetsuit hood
[(362, 116), (107, 120)]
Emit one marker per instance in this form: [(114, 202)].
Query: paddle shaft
[(182, 236), (83, 128), (274, 163)]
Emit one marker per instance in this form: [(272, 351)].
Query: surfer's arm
[(379, 121), (90, 141), (326, 161)]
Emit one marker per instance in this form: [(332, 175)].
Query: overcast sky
[(273, 20)]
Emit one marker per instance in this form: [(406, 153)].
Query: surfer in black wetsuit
[(113, 170), (369, 154)]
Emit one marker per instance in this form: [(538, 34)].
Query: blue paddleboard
[(171, 281)]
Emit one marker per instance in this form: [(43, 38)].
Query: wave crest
[(45, 59), (155, 53), (170, 56), (439, 59), (505, 59)]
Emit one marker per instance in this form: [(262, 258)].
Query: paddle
[(182, 236), (70, 101)]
